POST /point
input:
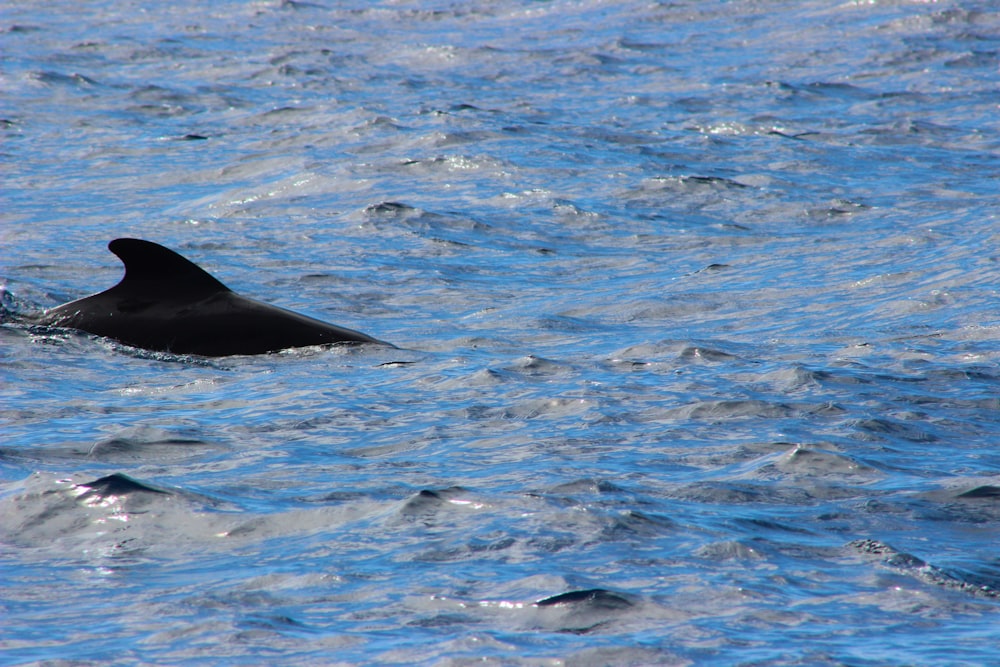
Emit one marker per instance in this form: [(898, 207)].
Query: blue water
[(696, 313)]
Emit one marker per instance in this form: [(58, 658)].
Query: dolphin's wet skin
[(166, 303), (697, 315)]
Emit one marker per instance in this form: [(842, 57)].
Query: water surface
[(696, 309)]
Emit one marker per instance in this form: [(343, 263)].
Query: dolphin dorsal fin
[(151, 265)]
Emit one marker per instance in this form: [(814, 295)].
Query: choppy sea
[(696, 307)]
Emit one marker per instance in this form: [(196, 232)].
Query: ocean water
[(696, 315)]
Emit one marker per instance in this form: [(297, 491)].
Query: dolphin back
[(167, 303)]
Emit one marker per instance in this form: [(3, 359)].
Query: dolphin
[(169, 304)]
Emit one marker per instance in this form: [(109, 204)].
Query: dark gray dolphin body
[(166, 303)]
